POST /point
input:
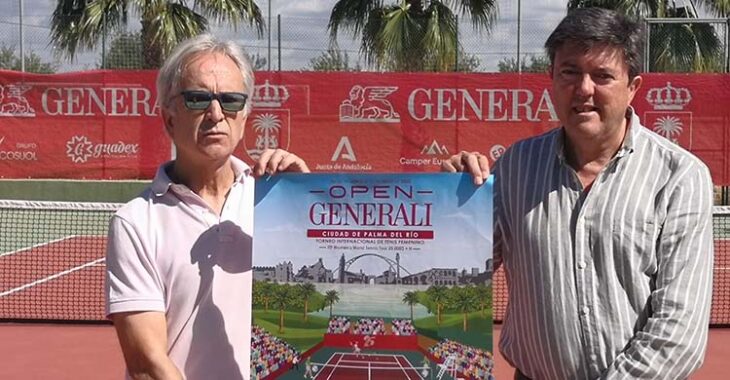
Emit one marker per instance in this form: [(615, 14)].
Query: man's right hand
[(472, 162)]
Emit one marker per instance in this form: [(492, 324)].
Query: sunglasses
[(200, 100)]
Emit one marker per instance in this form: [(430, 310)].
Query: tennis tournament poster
[(360, 276)]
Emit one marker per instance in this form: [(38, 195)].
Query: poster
[(372, 276)]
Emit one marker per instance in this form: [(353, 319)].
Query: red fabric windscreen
[(105, 125)]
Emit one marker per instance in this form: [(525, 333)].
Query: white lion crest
[(12, 101)]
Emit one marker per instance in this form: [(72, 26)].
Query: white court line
[(52, 277), (25, 249), (404, 368), (336, 365), (325, 365)]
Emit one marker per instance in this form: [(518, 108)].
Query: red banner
[(104, 124)]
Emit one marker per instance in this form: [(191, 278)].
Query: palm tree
[(281, 298), (483, 296), (306, 291), (410, 299), (81, 24), (438, 294), (331, 298), (463, 300), (412, 35), (672, 47)]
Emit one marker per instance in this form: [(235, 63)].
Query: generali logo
[(369, 104), (669, 118), (13, 103), (80, 149)]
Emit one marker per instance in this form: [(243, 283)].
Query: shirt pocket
[(635, 243)]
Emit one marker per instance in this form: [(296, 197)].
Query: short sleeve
[(133, 282)]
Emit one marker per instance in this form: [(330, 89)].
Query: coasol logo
[(80, 149), (20, 151), (13, 103)]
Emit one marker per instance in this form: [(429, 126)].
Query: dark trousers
[(520, 376)]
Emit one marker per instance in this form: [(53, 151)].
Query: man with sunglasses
[(179, 255)]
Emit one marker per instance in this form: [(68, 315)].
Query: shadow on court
[(65, 352)]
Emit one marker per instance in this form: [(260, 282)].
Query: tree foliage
[(125, 52), (689, 47), (81, 24), (537, 64), (411, 35), (333, 59), (9, 60)]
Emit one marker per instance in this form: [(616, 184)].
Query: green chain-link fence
[(297, 42)]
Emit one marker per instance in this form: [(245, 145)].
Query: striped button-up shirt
[(610, 283)]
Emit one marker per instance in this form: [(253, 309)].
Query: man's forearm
[(159, 368)]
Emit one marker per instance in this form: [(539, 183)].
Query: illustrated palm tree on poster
[(409, 35), (438, 295), (81, 24), (464, 301), (410, 299), (331, 298), (306, 291), (282, 297), (673, 47), (483, 295)]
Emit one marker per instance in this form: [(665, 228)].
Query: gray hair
[(168, 78), (589, 27)]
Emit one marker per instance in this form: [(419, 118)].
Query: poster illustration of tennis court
[(372, 276)]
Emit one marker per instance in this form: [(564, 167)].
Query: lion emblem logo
[(12, 101), (369, 104)]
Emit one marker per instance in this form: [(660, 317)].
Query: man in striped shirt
[(604, 228)]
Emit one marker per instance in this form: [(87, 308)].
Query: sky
[(303, 32)]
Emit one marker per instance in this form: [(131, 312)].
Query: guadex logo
[(80, 149), (435, 152), (13, 103), (269, 127), (344, 158), (669, 118), (21, 151), (369, 104)]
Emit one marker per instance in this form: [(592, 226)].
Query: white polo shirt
[(169, 252)]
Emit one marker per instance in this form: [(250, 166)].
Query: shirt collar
[(627, 146), (162, 182)]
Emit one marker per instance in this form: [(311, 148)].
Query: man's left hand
[(279, 160)]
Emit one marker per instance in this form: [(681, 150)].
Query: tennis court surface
[(351, 366), (52, 260)]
